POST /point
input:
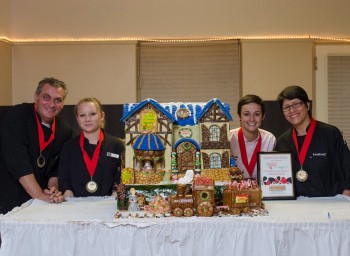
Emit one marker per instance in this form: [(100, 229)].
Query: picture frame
[(275, 175)]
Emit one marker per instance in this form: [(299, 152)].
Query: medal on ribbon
[(42, 143), (302, 175), (91, 164)]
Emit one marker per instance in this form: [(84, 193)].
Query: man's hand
[(32, 187)]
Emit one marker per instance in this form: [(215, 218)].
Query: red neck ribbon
[(42, 143), (306, 143), (251, 165), (91, 163)]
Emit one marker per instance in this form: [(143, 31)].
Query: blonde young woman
[(249, 139), (90, 163)]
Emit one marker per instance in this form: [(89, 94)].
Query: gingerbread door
[(186, 156)]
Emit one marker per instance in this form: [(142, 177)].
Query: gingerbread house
[(163, 138)]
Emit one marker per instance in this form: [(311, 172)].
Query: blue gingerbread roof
[(196, 110), (132, 108), (224, 107), (148, 141)]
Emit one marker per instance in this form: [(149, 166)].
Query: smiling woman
[(321, 158), (249, 139)]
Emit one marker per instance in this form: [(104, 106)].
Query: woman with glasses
[(320, 156), (249, 139)]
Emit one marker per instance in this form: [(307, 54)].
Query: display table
[(307, 226)]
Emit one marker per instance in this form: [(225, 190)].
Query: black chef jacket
[(73, 174), (327, 161), (19, 150)]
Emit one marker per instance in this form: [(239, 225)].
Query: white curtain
[(190, 72)]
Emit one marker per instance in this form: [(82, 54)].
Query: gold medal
[(91, 186), (302, 175), (40, 161)]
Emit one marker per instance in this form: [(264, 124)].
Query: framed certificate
[(275, 175)]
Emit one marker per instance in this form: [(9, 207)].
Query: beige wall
[(106, 71), (269, 66), (5, 18), (180, 18), (5, 54), (5, 74)]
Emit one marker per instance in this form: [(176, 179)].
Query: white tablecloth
[(307, 226)]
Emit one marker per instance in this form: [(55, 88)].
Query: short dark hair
[(250, 98), (293, 92), (53, 82)]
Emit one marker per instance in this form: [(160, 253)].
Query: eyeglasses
[(294, 106)]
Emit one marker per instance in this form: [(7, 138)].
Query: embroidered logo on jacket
[(319, 154)]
